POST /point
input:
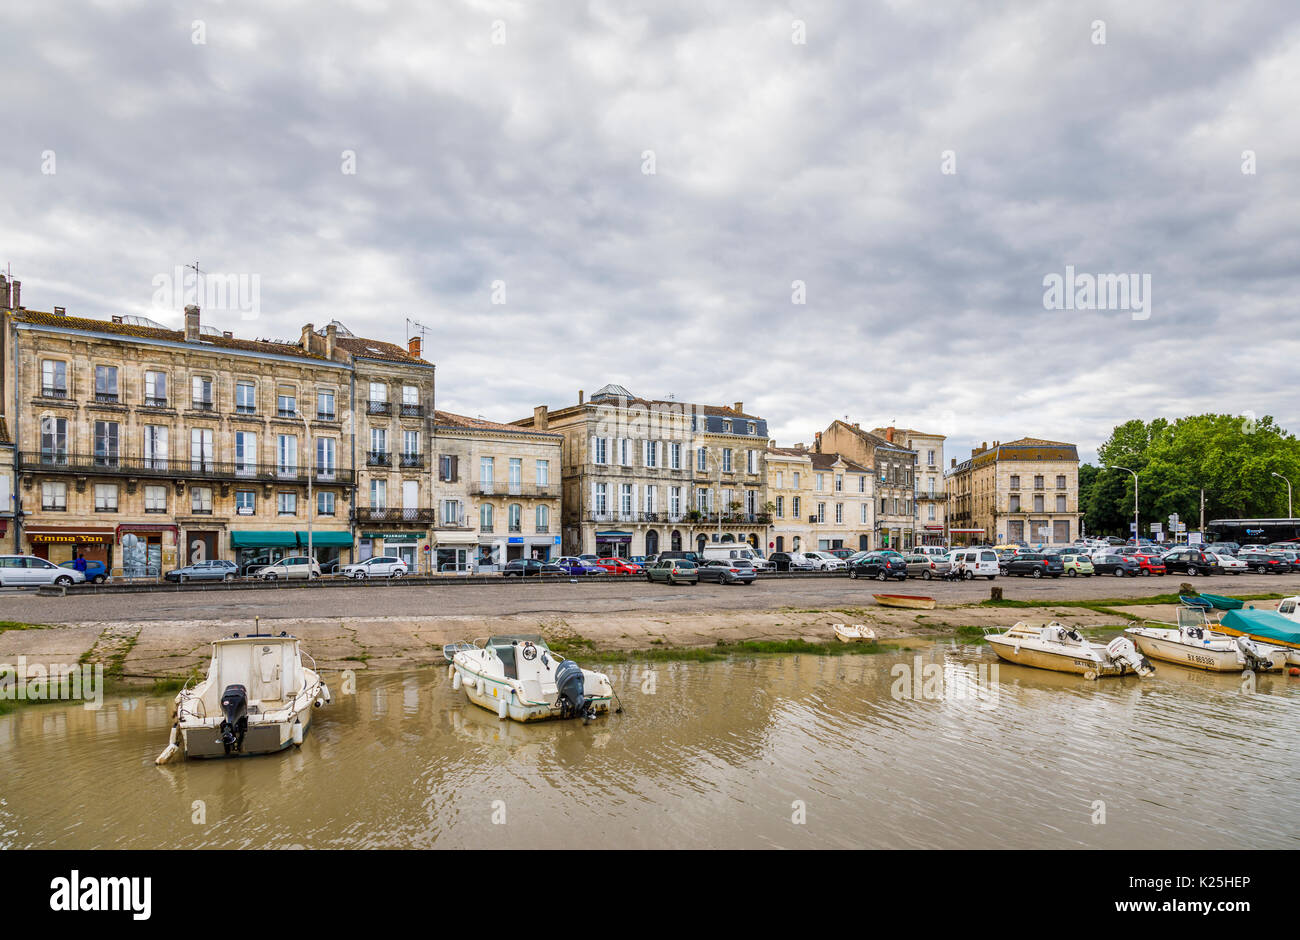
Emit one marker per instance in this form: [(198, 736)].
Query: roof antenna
[(195, 268)]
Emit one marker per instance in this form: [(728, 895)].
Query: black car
[(1034, 564), (732, 571), (1118, 565), (880, 566), (1263, 563), (524, 567), (1191, 562)]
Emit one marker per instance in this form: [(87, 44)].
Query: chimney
[(191, 323), (817, 442), (580, 396), (60, 311), (16, 302), (889, 434), (4, 292), (307, 334), (331, 334), (540, 421), (228, 334), (413, 346), (740, 406), (117, 318), (954, 463)]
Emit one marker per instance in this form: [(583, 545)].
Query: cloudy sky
[(511, 144)]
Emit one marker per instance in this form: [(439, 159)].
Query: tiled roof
[(1034, 442), (724, 411), (446, 419), (826, 461), (872, 439), (376, 349), (789, 451), (62, 321)]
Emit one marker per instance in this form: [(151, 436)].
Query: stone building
[(820, 501), (497, 491), (931, 501), (1022, 491), (893, 466), (643, 475)]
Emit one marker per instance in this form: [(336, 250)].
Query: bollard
[(995, 594)]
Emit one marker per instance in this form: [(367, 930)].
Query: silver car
[(28, 570), (927, 566), (296, 567)]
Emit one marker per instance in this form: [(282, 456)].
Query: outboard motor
[(1255, 660), (234, 706), (572, 698), (1121, 649)]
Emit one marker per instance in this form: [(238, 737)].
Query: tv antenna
[(195, 268)]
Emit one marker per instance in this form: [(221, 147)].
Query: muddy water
[(776, 752)]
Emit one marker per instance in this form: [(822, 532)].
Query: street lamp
[(1137, 530), (311, 473), (1288, 493)]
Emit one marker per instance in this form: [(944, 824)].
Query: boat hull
[(488, 692), (911, 601), (1025, 654), (204, 741), (1197, 657)]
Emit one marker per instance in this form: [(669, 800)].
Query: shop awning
[(266, 539), (451, 539), (965, 530), (325, 537)]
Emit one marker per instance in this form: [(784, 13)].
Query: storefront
[(148, 549), (541, 547), (403, 545), (327, 546), (453, 551), (63, 543), (614, 544), (933, 535), (254, 548)]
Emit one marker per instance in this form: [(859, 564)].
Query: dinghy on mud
[(257, 699), (1063, 649), (519, 677)]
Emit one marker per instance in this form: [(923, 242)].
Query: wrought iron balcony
[(378, 408), (180, 468), (387, 516), (412, 411), (412, 460), (493, 488), (379, 458)]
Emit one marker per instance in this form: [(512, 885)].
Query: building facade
[(1022, 491), (931, 500), (498, 493), (893, 467), (643, 476)]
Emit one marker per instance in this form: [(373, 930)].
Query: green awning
[(325, 537), (266, 539)]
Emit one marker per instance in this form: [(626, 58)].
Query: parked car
[(1078, 565), (95, 570), (689, 556), (293, 568), (926, 567), (24, 570), (791, 561), (880, 566), (204, 571), (1223, 548), (673, 571), (1116, 564), (613, 565), (975, 563), (841, 553), (1264, 563), (1149, 564), (527, 567), (575, 565), (734, 571), (380, 566), (1034, 565), (1192, 562), (1228, 564), (824, 561)]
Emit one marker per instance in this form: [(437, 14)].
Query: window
[(543, 520), (543, 473), (864, 513), (1060, 504), (201, 500), (325, 405), (625, 499), (155, 446), (286, 401), (780, 479), (105, 383), (451, 514), (410, 446), (780, 507), (155, 389), (486, 469), (821, 482), (286, 504), (378, 494), (245, 452), (54, 440), (796, 483), (286, 454), (325, 504), (675, 501), (600, 499), (515, 517), (410, 394), (326, 456), (516, 471), (54, 496), (447, 468), (378, 442), (652, 453), (624, 452), (245, 502), (1015, 504), (839, 482), (650, 498), (751, 461), (794, 507), (245, 398), (599, 453), (106, 443), (675, 456), (839, 513), (1038, 504), (1060, 482), (485, 517), (202, 393), (105, 497), (201, 456), (862, 484), (1038, 482), (702, 460), (929, 458), (155, 499), (378, 392), (54, 378), (751, 428), (1015, 481), (702, 500), (726, 460)]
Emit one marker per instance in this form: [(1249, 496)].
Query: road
[(601, 597)]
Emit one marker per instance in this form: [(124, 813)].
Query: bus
[(1253, 531)]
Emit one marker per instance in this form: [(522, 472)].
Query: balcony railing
[(49, 391), (378, 458), (412, 460), (492, 488), (178, 468), (199, 405), (369, 514), (110, 398), (326, 415), (151, 401), (378, 408), (412, 411)]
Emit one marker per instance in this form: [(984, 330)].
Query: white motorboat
[(257, 699), (519, 677), (1193, 642), (1063, 649)]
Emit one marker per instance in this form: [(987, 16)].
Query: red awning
[(965, 530)]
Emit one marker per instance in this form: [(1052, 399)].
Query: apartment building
[(931, 501), (498, 493), (642, 475), (1022, 491), (819, 501), (893, 466)]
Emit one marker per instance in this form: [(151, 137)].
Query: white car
[(381, 566), (25, 570), (824, 561), (1230, 564)]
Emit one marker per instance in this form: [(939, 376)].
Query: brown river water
[(792, 752)]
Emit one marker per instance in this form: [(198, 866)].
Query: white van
[(937, 551), (736, 551), (975, 562)]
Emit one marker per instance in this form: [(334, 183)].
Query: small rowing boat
[(913, 601), (853, 633)]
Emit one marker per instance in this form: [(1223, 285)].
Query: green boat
[(1222, 603), (1266, 626)]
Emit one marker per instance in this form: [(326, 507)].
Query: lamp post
[(311, 473), (1288, 493), (1137, 529)]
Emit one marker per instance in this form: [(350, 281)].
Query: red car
[(618, 565), (1149, 564)]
